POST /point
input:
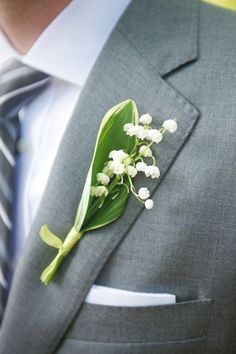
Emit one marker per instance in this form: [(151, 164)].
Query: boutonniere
[(122, 150)]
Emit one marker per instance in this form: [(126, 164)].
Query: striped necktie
[(18, 84)]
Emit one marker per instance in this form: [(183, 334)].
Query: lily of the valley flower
[(152, 171), (119, 155), (122, 164), (141, 166), (154, 135), (145, 119), (141, 132), (98, 191), (143, 193), (149, 204), (136, 130), (170, 125), (117, 167), (131, 171), (103, 178), (145, 151)]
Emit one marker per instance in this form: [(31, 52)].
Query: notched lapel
[(173, 27), (37, 316)]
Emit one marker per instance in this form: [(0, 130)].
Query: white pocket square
[(101, 295)]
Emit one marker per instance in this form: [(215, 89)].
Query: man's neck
[(23, 21)]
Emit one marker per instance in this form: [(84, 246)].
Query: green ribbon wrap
[(63, 249)]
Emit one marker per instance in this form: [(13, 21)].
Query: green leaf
[(111, 210), (111, 136), (49, 238)]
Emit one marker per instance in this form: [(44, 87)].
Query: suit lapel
[(37, 316)]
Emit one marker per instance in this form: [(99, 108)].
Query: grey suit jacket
[(174, 58)]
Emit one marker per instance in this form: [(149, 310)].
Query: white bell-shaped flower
[(131, 171), (154, 135), (145, 119), (152, 171), (103, 178), (98, 191), (128, 126), (135, 130), (117, 167), (118, 155), (121, 156), (141, 166), (131, 129), (143, 193), (145, 151), (141, 133)]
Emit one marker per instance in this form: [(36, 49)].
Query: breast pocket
[(169, 329)]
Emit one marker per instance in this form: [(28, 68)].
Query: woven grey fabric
[(80, 347), (172, 60), (18, 83), (153, 322)]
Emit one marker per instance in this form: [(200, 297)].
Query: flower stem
[(51, 269)]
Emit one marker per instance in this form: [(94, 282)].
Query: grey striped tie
[(18, 84)]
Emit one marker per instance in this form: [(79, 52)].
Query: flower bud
[(107, 170), (92, 191), (149, 204), (170, 125)]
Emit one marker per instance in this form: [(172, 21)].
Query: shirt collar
[(70, 45)]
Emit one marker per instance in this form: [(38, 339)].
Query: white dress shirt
[(67, 50)]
